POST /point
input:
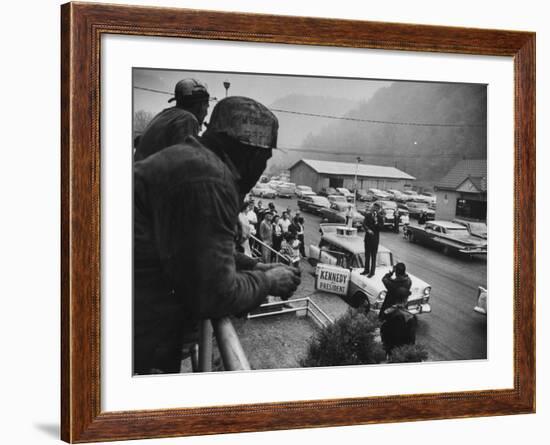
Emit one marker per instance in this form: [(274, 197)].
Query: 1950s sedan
[(340, 259), (338, 213), (447, 236), (313, 203)]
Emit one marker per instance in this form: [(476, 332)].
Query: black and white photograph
[(284, 222)]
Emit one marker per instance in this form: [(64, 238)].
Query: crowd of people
[(279, 234)]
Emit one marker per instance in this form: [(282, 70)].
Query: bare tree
[(141, 120)]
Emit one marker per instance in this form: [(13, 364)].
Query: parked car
[(338, 212), (481, 305), (326, 191), (388, 211), (286, 189), (397, 195), (416, 208), (428, 197), (345, 192), (313, 204), (344, 250), (337, 198), (410, 195), (447, 236), (375, 194), (263, 191), (300, 189), (306, 193), (361, 195), (476, 228)]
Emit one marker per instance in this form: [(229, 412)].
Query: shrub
[(408, 354), (349, 341)]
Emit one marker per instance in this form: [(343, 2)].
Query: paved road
[(452, 331)]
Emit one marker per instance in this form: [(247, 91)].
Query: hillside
[(294, 129), (426, 152)]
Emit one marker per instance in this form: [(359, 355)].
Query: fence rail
[(255, 242), (309, 306), (231, 351)]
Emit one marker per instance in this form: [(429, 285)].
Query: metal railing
[(255, 242), (231, 351), (306, 304)]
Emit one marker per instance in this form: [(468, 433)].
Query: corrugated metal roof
[(475, 169), (348, 169)]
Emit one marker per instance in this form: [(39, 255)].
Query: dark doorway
[(469, 208), (336, 182)]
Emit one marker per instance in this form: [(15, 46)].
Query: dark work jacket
[(398, 329), (185, 212), (394, 295), (170, 127), (374, 224)]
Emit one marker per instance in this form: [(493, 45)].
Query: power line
[(373, 121), (153, 91), (360, 153), (163, 92), (343, 118)]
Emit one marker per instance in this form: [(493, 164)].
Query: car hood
[(375, 284)]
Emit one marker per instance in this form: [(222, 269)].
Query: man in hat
[(186, 204), (266, 236), (398, 288), (372, 224), (172, 125)]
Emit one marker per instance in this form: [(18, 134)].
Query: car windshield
[(458, 232), (339, 198), (478, 227), (305, 188), (383, 259), (388, 204), (320, 200), (420, 204)]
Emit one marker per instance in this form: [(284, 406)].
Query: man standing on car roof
[(186, 202), (372, 224), (172, 125)]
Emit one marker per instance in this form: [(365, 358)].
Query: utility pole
[(358, 159)]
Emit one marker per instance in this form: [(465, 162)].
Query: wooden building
[(320, 174)]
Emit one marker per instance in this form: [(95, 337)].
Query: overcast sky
[(264, 88)]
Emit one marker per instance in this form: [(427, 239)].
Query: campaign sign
[(332, 279)]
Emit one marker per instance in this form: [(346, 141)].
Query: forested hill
[(427, 152), (295, 128)]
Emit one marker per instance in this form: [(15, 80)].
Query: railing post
[(205, 346), (231, 351)]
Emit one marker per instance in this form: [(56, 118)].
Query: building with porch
[(321, 174), (462, 193)]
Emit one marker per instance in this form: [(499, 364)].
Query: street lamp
[(226, 85), (358, 159)]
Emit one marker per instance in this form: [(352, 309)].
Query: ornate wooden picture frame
[(82, 28)]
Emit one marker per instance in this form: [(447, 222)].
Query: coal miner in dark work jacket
[(172, 125), (186, 203), (372, 224)]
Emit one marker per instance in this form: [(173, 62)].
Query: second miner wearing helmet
[(186, 203), (172, 125)]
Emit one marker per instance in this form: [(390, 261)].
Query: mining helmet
[(246, 120), (189, 91)]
